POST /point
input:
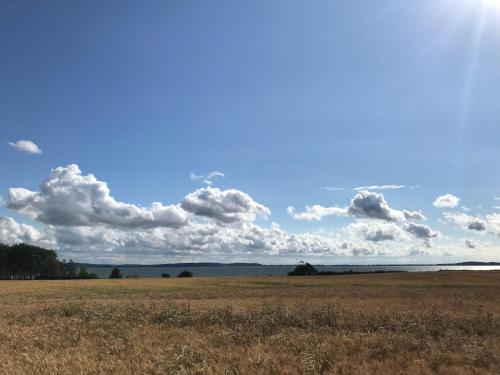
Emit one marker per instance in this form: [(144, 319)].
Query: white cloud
[(465, 221), (69, 198), (198, 239), (380, 187), (365, 205), (334, 188), (446, 201), (378, 231), (374, 231), (244, 240), (82, 220), (208, 179), (227, 206), (26, 146), (12, 232), (372, 187), (372, 205), (490, 223), (493, 223), (421, 231), (414, 215), (316, 212)]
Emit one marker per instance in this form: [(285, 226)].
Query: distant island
[(471, 263)]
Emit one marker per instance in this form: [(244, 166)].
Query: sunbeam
[(467, 98)]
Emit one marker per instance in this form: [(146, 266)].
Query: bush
[(185, 274), (84, 274), (115, 274), (165, 275), (303, 269)]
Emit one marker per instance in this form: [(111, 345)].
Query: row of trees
[(23, 261)]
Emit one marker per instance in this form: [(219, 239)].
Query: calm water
[(270, 270)]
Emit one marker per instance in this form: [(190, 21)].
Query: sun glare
[(492, 3)]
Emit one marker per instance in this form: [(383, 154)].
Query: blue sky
[(285, 98)]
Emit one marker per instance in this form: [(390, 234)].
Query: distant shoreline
[(214, 264)]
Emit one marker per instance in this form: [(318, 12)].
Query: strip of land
[(436, 322)]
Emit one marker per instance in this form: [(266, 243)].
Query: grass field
[(442, 322)]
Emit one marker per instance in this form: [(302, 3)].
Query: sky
[(335, 132)]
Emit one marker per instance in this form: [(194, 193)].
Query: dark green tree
[(303, 269), (115, 273), (83, 273)]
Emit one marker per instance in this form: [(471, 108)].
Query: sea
[(273, 270)]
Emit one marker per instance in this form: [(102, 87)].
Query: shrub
[(185, 274), (303, 269), (84, 274), (115, 273), (165, 275)]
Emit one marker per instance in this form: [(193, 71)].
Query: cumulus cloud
[(469, 244), (378, 231), (465, 221), (316, 212), (201, 239), (207, 179), (478, 225), (226, 206), (82, 220), (372, 205), (244, 240), (493, 223), (12, 232), (67, 197), (374, 231), (421, 231), (487, 224), (26, 146), (414, 215), (446, 201), (364, 205)]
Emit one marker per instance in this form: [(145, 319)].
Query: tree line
[(27, 262)]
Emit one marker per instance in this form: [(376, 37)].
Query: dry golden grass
[(444, 322)]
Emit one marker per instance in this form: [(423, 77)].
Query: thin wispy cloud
[(371, 187), (207, 179), (26, 146), (334, 188), (316, 212), (380, 187)]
